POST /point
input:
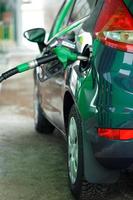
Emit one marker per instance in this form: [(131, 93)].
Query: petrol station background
[(32, 166), (17, 16)]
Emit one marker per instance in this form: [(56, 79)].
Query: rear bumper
[(104, 158), (94, 169), (113, 154)]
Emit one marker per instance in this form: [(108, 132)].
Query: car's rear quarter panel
[(114, 100)]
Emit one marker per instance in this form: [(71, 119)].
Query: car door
[(51, 89)]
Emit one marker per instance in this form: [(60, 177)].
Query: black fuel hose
[(27, 66), (46, 59)]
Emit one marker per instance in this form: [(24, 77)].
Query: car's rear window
[(129, 4)]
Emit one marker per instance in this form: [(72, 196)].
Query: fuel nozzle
[(66, 51), (65, 55), (63, 50)]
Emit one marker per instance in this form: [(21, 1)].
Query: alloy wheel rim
[(73, 150)]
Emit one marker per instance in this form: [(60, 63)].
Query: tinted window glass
[(90, 23), (81, 9)]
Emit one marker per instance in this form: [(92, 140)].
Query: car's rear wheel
[(42, 125), (80, 188)]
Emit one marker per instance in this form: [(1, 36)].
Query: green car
[(90, 101)]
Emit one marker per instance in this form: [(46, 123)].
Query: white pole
[(19, 22)]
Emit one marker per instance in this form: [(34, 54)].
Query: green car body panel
[(114, 87), (129, 4), (103, 95)]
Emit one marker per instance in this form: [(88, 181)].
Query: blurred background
[(27, 171), (16, 16)]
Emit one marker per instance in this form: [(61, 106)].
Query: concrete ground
[(33, 166)]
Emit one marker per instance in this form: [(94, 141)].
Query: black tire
[(81, 189), (42, 125)]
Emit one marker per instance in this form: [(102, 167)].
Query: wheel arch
[(68, 102)]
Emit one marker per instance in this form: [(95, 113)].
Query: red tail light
[(116, 134), (115, 26)]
